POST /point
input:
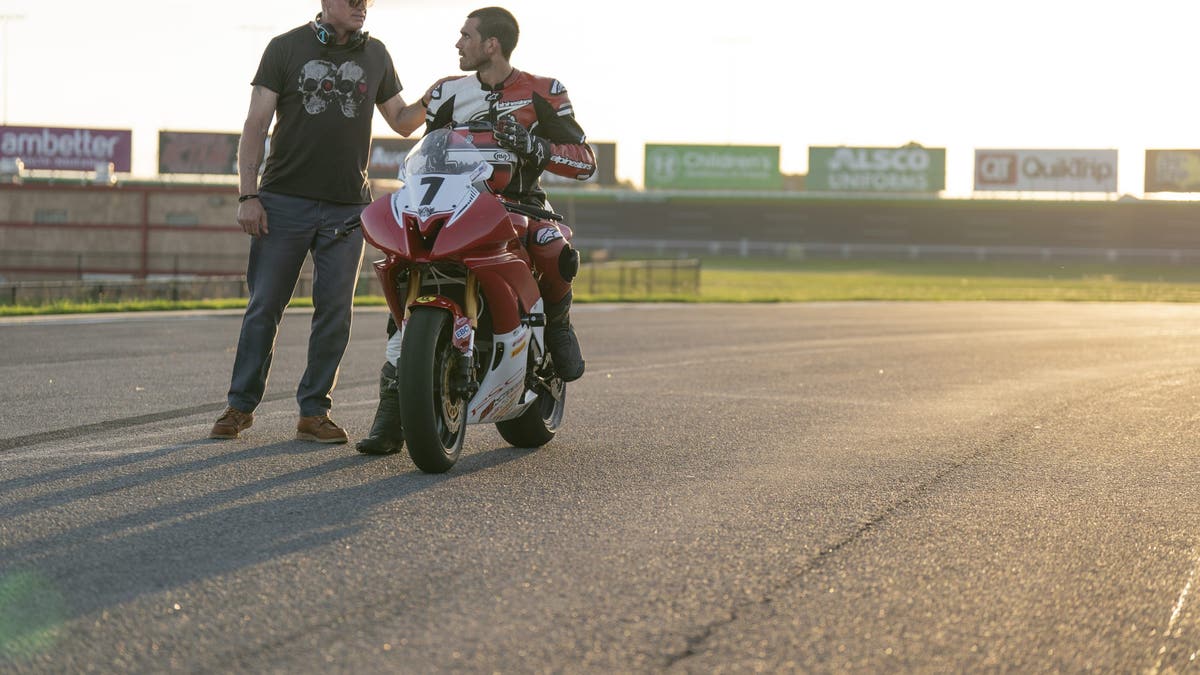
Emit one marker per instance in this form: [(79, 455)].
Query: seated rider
[(534, 119)]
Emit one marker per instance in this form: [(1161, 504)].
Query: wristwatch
[(245, 197)]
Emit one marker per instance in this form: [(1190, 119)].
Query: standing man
[(320, 82), (534, 119)]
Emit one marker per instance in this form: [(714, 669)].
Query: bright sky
[(958, 74)]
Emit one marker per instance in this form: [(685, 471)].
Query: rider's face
[(472, 49)]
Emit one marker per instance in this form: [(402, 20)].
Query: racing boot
[(387, 434), (561, 340)]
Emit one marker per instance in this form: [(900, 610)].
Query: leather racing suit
[(539, 104)]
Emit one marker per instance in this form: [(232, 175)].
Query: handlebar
[(477, 126), (352, 223)]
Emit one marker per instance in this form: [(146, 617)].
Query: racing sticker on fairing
[(548, 235), (463, 338)]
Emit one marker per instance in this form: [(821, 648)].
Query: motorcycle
[(463, 290)]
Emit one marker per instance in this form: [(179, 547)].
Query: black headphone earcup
[(327, 37), (324, 32)]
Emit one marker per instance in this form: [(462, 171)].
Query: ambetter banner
[(1046, 170), (67, 149)]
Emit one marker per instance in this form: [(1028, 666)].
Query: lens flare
[(31, 615)]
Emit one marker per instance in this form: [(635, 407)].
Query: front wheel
[(536, 426), (435, 420)]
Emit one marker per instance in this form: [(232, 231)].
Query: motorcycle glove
[(511, 135)]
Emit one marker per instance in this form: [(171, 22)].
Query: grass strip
[(772, 280)]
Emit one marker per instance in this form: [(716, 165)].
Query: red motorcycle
[(462, 288)]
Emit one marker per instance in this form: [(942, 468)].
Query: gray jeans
[(295, 227)]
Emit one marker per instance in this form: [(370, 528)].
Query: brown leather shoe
[(231, 423), (321, 429)]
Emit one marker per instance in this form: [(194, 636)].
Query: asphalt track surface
[(860, 487)]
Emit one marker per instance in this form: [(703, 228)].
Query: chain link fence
[(612, 280)]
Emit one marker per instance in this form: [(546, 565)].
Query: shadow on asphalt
[(115, 560)]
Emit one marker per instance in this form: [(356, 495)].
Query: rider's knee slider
[(568, 263)]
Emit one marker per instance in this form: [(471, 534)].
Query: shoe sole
[(228, 437), (310, 437)]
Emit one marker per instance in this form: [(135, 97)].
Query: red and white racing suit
[(540, 104)]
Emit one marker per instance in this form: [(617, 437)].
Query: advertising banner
[(1173, 171), (848, 169), (708, 167), (197, 152), (387, 154), (67, 149), (1046, 170)]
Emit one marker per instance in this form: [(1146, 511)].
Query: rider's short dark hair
[(499, 23)]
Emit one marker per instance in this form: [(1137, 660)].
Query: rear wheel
[(537, 425), (435, 421)]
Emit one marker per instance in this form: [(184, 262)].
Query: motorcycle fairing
[(383, 229), (387, 270), (508, 285), (500, 391), (428, 196), (452, 241)]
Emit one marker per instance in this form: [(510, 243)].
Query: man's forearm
[(250, 157), (410, 118)]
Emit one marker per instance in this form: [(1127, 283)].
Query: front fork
[(464, 322), (462, 379)]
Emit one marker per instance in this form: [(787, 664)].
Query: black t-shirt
[(327, 95)]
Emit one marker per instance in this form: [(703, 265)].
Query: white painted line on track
[(1176, 611)]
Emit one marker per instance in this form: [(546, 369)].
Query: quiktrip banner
[(1046, 170), (67, 149), (911, 168)]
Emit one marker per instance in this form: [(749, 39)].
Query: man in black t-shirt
[(321, 82)]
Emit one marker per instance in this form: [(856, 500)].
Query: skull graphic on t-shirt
[(322, 83)]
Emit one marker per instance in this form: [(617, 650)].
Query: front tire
[(435, 421)]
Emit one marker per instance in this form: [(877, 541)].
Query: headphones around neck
[(327, 36)]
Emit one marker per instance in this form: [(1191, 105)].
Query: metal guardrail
[(631, 279), (38, 293), (625, 279), (85, 265), (746, 248), (101, 265)]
